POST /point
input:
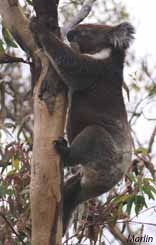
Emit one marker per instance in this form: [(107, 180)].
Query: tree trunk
[(45, 170), (46, 174), (46, 177)]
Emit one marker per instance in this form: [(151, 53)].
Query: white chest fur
[(102, 54)]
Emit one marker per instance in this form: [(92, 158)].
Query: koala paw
[(63, 150), (60, 145)]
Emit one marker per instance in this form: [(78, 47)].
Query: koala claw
[(62, 149), (60, 145)]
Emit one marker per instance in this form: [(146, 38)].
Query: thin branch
[(22, 125), (150, 166), (122, 222), (151, 141), (148, 118), (143, 211), (12, 228), (115, 230), (117, 233), (136, 107), (81, 15), (6, 59), (141, 233), (138, 222)]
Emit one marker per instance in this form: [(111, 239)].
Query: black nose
[(71, 34)]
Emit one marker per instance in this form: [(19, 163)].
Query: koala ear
[(122, 35)]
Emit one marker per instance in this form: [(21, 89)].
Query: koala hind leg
[(72, 188), (88, 146), (95, 150)]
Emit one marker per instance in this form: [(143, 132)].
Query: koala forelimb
[(97, 126)]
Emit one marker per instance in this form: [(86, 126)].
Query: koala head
[(92, 38)]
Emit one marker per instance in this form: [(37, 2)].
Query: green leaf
[(139, 203), (120, 199), (1, 46), (8, 38), (147, 190), (142, 150), (146, 180), (119, 211), (10, 192), (153, 189), (15, 163), (135, 87), (12, 172), (30, 2), (151, 89), (132, 178), (130, 203), (2, 191)]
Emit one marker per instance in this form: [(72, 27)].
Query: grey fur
[(97, 127)]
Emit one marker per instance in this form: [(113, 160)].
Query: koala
[(97, 127)]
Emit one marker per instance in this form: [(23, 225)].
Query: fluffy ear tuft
[(122, 35)]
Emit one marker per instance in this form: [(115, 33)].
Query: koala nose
[(71, 34)]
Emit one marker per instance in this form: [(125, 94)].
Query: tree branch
[(117, 233), (5, 59), (17, 23), (151, 141), (12, 228), (46, 9), (81, 15)]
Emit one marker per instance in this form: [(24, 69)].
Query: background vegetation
[(102, 220)]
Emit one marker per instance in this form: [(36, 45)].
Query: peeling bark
[(45, 176)]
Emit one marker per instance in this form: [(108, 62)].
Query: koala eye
[(71, 34)]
